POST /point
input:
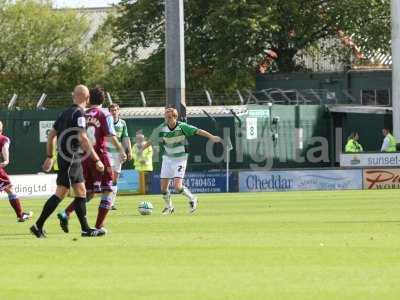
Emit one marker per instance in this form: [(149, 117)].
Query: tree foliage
[(226, 39), (47, 50)]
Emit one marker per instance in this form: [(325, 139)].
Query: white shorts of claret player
[(173, 167), (115, 161)]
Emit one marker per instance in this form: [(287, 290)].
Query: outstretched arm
[(206, 134)]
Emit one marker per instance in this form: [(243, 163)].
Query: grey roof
[(360, 109), (191, 111)]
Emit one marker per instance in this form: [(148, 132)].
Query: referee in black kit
[(70, 130)]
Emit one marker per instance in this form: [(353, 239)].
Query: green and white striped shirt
[(121, 131), (173, 141)]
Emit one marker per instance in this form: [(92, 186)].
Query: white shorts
[(115, 161), (173, 167)]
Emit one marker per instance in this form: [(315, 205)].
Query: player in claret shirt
[(5, 183), (100, 128)]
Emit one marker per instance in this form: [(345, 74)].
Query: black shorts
[(69, 172)]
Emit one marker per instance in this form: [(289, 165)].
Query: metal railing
[(151, 98), (375, 97), (157, 98)]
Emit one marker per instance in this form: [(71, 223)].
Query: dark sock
[(71, 207), (80, 210), (48, 208)]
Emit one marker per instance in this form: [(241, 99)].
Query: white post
[(40, 101), (109, 98), (12, 102), (227, 171), (143, 97), (228, 148), (396, 67), (240, 97), (209, 99)]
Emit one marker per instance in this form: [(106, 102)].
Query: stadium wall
[(28, 151), (26, 130)]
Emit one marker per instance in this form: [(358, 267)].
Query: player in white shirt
[(121, 131)]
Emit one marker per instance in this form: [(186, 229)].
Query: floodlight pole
[(395, 11), (175, 56)]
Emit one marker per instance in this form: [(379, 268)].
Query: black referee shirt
[(68, 126)]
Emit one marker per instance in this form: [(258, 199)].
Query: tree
[(48, 50), (90, 63), (225, 39), (35, 39)]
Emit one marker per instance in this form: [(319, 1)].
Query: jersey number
[(91, 133)]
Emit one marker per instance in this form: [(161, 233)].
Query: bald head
[(81, 95)]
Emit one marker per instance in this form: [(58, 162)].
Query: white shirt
[(385, 144)]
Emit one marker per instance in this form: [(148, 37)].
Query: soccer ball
[(145, 208)]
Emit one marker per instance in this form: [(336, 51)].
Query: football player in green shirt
[(172, 136), (122, 135)]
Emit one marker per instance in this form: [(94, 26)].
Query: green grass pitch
[(296, 245)]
